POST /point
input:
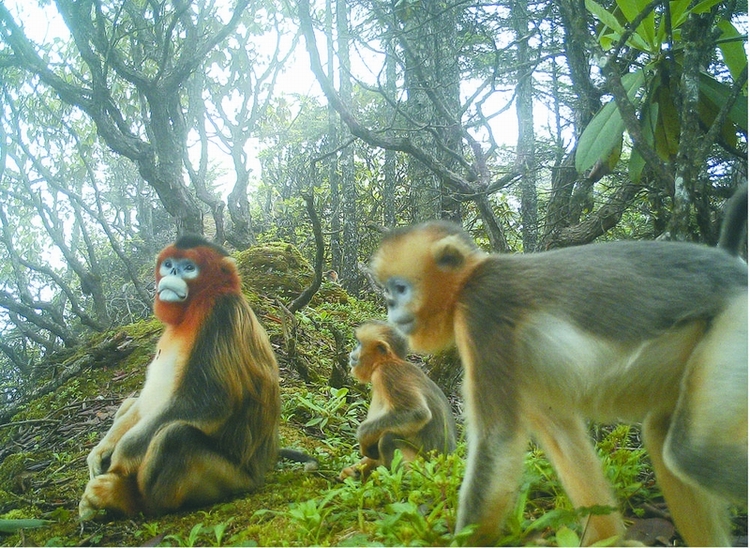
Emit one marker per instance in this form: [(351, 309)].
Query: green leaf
[(13, 525), (732, 48), (648, 123), (606, 18), (679, 11), (567, 537), (646, 30), (718, 94), (635, 166), (604, 131), (705, 6), (666, 139)]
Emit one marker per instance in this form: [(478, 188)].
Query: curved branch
[(301, 301)]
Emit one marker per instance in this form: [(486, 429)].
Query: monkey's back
[(440, 433), (603, 287), (407, 385)]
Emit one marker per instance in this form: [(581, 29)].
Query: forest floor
[(43, 448)]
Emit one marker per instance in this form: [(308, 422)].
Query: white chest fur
[(161, 377)]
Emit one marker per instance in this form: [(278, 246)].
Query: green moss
[(274, 269)]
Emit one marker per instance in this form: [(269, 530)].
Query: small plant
[(625, 463), (208, 535), (328, 411)]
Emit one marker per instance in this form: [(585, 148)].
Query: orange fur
[(408, 411)]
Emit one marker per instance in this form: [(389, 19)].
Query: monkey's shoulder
[(231, 307), (401, 379)]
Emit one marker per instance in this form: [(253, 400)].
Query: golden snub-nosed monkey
[(650, 332), (408, 411), (205, 425)]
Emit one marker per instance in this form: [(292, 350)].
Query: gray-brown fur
[(651, 332)]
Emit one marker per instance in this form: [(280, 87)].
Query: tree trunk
[(525, 156), (350, 244)]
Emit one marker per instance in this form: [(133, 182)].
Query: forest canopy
[(535, 124)]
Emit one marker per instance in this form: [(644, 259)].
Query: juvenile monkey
[(408, 411), (651, 332), (205, 425)]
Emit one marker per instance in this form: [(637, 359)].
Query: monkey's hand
[(100, 458), (360, 470), (350, 472), (401, 423)]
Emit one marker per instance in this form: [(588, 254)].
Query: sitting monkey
[(408, 411)]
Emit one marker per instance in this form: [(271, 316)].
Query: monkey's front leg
[(567, 444), (490, 485), (116, 487), (403, 423), (126, 417)]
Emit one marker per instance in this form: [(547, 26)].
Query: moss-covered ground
[(43, 448)]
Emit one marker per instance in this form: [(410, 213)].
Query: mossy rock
[(275, 270)]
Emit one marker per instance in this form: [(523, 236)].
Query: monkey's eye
[(167, 263), (190, 267), (397, 287)]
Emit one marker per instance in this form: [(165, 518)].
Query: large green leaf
[(718, 93), (666, 139), (606, 18), (604, 131), (609, 20), (13, 525), (648, 123), (732, 48), (646, 30)]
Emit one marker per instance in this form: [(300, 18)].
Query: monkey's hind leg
[(568, 446), (181, 468), (700, 516), (705, 445), (112, 491)]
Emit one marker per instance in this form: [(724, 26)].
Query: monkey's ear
[(450, 253), (383, 348)]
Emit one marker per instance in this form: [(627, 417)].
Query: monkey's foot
[(350, 472), (110, 492)]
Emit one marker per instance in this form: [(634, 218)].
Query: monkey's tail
[(734, 227), (311, 463)]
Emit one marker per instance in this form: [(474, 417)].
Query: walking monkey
[(651, 332), (205, 425), (408, 411)]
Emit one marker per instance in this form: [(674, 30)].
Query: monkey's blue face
[(173, 276), (398, 295), (355, 365)]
